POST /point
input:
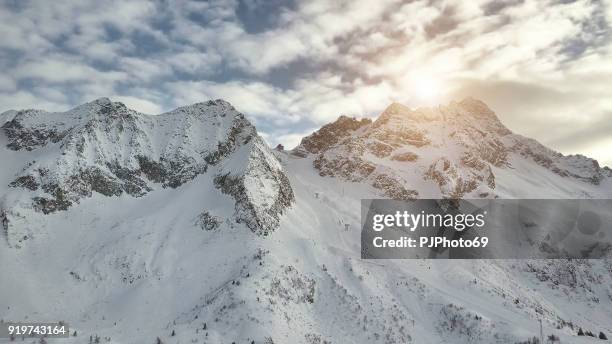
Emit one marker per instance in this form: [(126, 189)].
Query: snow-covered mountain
[(187, 227), (461, 150), (105, 148)]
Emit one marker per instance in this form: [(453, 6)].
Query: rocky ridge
[(103, 147), (455, 148)]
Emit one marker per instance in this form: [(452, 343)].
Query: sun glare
[(426, 89)]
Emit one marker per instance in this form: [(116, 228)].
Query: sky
[(545, 67)]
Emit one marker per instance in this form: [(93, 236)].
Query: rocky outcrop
[(331, 134), (208, 222), (261, 189), (571, 166), (405, 156), (169, 173), (455, 182), (393, 188), (4, 221), (354, 169), (29, 138), (399, 138)]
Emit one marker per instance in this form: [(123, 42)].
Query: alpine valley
[(186, 227)]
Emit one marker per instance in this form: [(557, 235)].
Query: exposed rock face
[(4, 220), (208, 222), (355, 169), (455, 182), (31, 137), (103, 147), (393, 188), (261, 190), (456, 147), (406, 156), (573, 166), (331, 134)]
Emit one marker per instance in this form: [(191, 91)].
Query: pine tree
[(173, 333), (602, 336), (580, 332)]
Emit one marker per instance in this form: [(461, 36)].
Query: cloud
[(7, 84), (26, 100), (58, 69), (257, 99), (535, 62), (195, 62), (143, 69)]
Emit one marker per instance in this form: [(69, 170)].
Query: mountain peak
[(397, 112), (102, 101), (218, 108), (476, 107), (396, 107), (98, 109), (98, 103), (468, 106), (212, 103)]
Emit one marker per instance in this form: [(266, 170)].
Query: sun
[(426, 88)]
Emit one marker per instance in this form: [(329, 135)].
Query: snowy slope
[(209, 234)]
